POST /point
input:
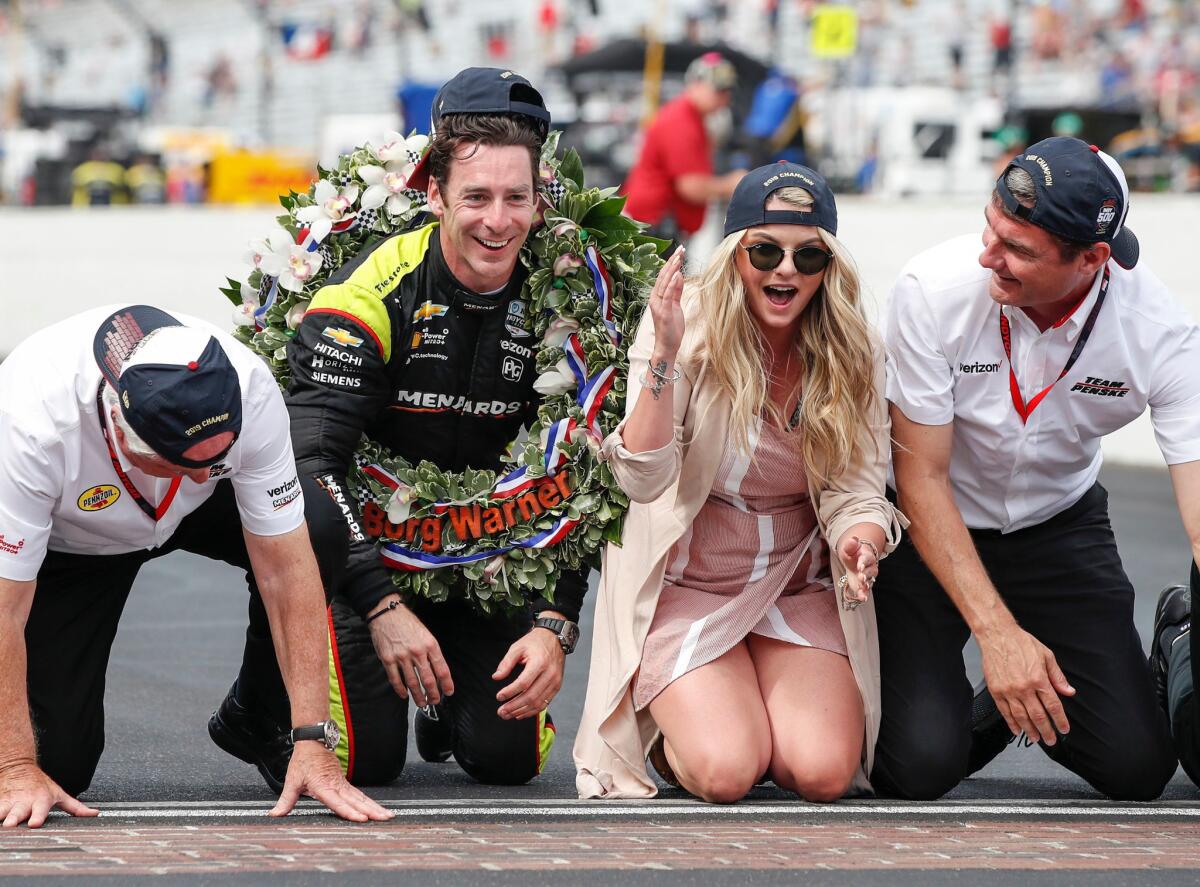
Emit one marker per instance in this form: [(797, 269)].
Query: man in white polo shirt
[(1007, 366), (126, 434)]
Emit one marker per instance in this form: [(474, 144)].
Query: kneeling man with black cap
[(1010, 362), (126, 434)]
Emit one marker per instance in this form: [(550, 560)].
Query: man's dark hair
[(457, 131), (1020, 185)]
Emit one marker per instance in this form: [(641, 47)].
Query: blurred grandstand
[(236, 99)]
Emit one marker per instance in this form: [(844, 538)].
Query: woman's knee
[(820, 778), (718, 777)]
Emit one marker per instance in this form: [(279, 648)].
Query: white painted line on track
[(667, 808)]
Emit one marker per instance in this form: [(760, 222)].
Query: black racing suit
[(394, 347)]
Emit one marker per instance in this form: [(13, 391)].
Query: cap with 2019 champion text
[(747, 206), (177, 387), (484, 91), (1081, 195)]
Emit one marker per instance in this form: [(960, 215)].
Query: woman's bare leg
[(718, 738), (816, 717)]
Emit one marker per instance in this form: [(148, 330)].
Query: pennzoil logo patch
[(98, 498)]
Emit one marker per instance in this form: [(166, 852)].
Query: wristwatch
[(326, 733), (566, 631)]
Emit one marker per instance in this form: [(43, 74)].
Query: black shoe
[(657, 756), (989, 731), (1172, 622), (252, 738), (434, 741)]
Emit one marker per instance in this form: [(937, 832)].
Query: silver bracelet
[(674, 377), (874, 548), (654, 380)]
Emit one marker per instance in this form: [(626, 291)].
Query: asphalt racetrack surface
[(173, 804)]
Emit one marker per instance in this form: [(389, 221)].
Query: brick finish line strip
[(668, 808), (282, 846)]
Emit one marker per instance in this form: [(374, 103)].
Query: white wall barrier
[(56, 262)]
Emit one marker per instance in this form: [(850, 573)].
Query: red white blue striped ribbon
[(603, 283), (401, 558), (575, 359), (559, 434)]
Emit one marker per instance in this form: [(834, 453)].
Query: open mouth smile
[(780, 296), (493, 245)]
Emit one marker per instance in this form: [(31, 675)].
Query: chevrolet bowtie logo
[(427, 310), (341, 336)]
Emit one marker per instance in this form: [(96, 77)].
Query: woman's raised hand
[(665, 307), (860, 557)]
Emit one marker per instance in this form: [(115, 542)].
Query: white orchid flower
[(559, 330), (301, 266), (566, 263), (386, 185), (557, 380), (494, 568), (330, 206), (400, 504), (295, 314), (269, 254), (397, 148), (243, 314)]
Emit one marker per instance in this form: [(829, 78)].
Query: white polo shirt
[(58, 488), (946, 363)]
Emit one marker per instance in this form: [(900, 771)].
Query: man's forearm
[(290, 585), (941, 538), (16, 740)]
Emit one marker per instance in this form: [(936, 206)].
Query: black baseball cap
[(1081, 195), (176, 388), (484, 91), (746, 207)]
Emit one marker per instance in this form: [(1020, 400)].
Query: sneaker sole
[(227, 741)]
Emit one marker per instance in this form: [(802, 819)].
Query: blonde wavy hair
[(836, 387)]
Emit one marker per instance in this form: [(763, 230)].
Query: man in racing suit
[(423, 342)]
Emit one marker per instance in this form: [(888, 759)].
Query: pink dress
[(752, 562)]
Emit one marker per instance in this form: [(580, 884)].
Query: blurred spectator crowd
[(272, 72)]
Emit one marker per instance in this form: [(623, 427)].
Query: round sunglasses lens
[(765, 256), (810, 260)]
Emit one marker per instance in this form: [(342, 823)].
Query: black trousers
[(73, 620), (1064, 583), (1183, 675), (374, 719)]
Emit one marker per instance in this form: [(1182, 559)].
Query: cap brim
[(1126, 249), (420, 175), (120, 333)]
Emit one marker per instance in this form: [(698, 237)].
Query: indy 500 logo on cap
[(1108, 212)]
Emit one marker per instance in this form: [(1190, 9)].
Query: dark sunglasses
[(807, 259)]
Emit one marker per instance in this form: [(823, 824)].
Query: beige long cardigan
[(667, 487)]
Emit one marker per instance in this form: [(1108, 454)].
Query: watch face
[(332, 735), (570, 633)]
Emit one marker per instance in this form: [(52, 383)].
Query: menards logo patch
[(98, 498)]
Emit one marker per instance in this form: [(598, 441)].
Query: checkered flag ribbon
[(555, 190), (367, 218)]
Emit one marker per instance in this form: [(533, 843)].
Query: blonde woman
[(735, 633)]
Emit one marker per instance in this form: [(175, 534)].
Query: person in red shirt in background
[(672, 182)]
